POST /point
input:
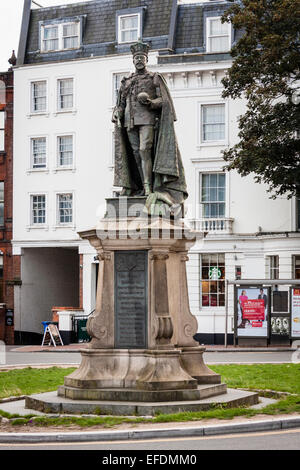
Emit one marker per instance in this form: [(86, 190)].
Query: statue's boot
[(147, 170), (138, 162), (125, 192)]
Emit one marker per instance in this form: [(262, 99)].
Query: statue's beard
[(140, 66)]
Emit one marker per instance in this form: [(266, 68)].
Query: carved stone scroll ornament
[(189, 321), (99, 324), (162, 328), (94, 329)]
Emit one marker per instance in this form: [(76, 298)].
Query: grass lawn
[(28, 381), (277, 377)]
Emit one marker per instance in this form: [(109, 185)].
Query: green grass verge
[(28, 381), (277, 377)]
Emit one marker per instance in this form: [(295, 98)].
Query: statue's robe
[(169, 183)]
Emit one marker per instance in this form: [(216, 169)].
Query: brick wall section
[(2, 323), (6, 175)]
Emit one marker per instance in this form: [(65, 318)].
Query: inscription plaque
[(131, 299)]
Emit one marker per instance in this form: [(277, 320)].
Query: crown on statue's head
[(140, 47)]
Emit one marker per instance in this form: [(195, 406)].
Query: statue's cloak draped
[(168, 172)]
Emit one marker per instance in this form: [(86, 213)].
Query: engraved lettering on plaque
[(131, 299)]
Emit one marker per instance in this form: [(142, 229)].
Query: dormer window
[(129, 25), (60, 36), (70, 35), (218, 35), (129, 28), (51, 39)]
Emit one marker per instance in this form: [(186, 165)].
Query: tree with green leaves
[(266, 71)]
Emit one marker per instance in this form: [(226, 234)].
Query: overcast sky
[(10, 24)]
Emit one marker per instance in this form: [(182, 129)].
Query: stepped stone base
[(202, 391), (51, 403)]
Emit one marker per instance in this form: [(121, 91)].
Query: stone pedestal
[(142, 358), (142, 329)]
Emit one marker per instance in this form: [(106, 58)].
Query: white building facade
[(65, 88)]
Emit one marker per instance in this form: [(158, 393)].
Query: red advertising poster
[(295, 313), (254, 309), (252, 312)]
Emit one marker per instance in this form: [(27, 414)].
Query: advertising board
[(252, 312)]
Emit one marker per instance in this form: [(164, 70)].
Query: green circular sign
[(214, 273)]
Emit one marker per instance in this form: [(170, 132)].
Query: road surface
[(14, 356), (273, 440)]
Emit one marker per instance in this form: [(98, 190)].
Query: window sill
[(60, 226), (64, 168), (61, 50), (213, 143), (44, 113), (210, 310), (37, 170), (37, 227), (126, 42), (65, 111), (218, 52)]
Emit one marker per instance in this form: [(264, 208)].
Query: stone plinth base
[(51, 403), (192, 361), (202, 391), (145, 370)]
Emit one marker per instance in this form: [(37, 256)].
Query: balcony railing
[(222, 225)]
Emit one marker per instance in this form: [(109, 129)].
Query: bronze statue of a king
[(147, 158)]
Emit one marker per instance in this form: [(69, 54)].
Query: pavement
[(143, 431), (171, 430)]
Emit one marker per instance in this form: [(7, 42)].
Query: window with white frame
[(65, 151), (212, 122), (38, 152), (65, 94), (212, 280), (65, 209), (117, 78), (129, 28), (218, 35), (2, 131), (60, 36), (70, 35), (274, 267), (213, 195), (296, 267), (50, 41), (39, 96), (38, 209)]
